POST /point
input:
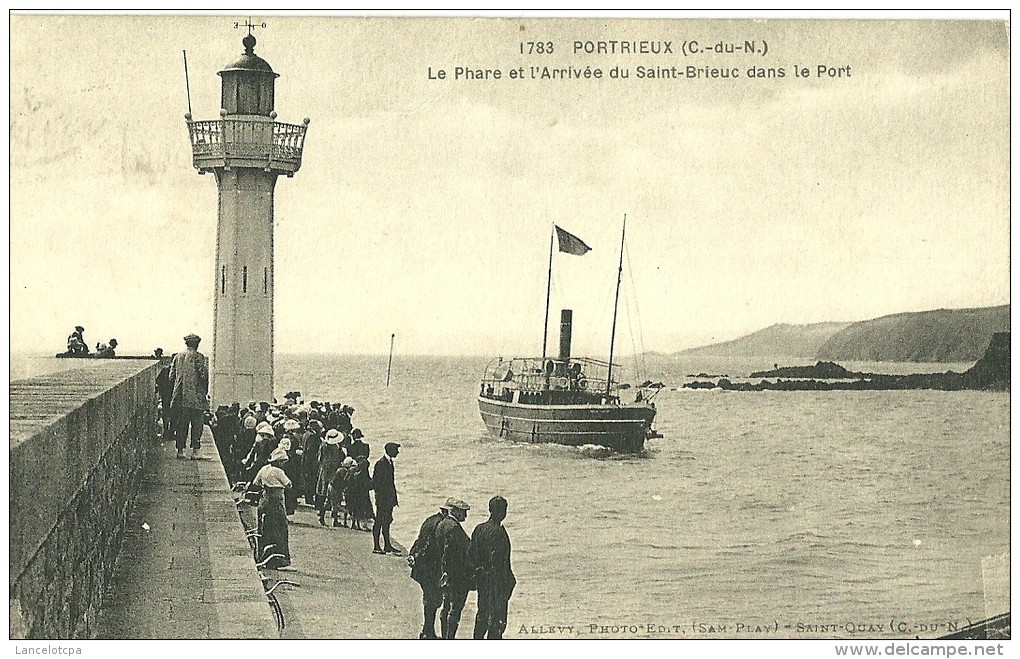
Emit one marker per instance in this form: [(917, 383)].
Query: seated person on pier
[(76, 342), (104, 350)]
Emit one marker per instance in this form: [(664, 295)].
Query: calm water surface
[(758, 515), (799, 508)]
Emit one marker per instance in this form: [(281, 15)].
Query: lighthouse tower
[(247, 149)]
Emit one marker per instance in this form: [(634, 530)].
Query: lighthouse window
[(223, 280), (244, 279), (265, 281)]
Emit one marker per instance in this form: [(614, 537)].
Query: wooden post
[(390, 363)]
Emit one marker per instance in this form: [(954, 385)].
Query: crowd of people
[(292, 452), (296, 452)]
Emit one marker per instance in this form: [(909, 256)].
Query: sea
[(803, 514)]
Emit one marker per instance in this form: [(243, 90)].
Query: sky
[(424, 208)]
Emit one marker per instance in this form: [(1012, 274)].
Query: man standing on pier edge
[(457, 576), (490, 554), (423, 559), (385, 499), (189, 373)]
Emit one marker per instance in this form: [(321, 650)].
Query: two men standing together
[(447, 565)]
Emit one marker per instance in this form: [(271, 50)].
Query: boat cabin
[(553, 381)]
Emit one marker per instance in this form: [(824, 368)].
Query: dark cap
[(391, 445), (192, 338)]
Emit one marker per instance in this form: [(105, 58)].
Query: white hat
[(291, 424), (333, 436), (264, 429), (279, 455), (284, 444)]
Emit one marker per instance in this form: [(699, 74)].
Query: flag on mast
[(570, 243)]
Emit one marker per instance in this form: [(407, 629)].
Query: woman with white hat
[(274, 539), (330, 457), (258, 456)]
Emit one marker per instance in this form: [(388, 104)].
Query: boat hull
[(622, 428)]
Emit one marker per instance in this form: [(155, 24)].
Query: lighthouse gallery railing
[(247, 139)]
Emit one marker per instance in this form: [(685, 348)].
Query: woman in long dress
[(359, 502), (274, 538)]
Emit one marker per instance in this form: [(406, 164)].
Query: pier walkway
[(186, 570)]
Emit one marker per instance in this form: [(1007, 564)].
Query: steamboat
[(566, 400)]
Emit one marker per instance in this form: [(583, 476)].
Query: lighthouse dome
[(249, 61)]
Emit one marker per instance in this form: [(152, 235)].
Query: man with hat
[(456, 575), (423, 559), (490, 556), (385, 487), (189, 373)]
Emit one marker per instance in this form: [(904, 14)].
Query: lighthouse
[(247, 149)]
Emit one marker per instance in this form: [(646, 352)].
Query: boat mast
[(616, 302), (548, 291)]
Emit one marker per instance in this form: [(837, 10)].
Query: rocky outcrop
[(992, 370)]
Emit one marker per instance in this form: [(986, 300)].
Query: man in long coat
[(423, 560), (189, 373), (490, 554), (457, 575), (385, 499)]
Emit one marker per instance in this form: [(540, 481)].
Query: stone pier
[(79, 439)]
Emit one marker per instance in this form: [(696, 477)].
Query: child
[(337, 492)]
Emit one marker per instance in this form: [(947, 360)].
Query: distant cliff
[(775, 342), (991, 372), (943, 335)]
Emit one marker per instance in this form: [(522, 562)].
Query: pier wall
[(79, 440)]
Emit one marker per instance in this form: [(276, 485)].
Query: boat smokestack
[(566, 319)]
